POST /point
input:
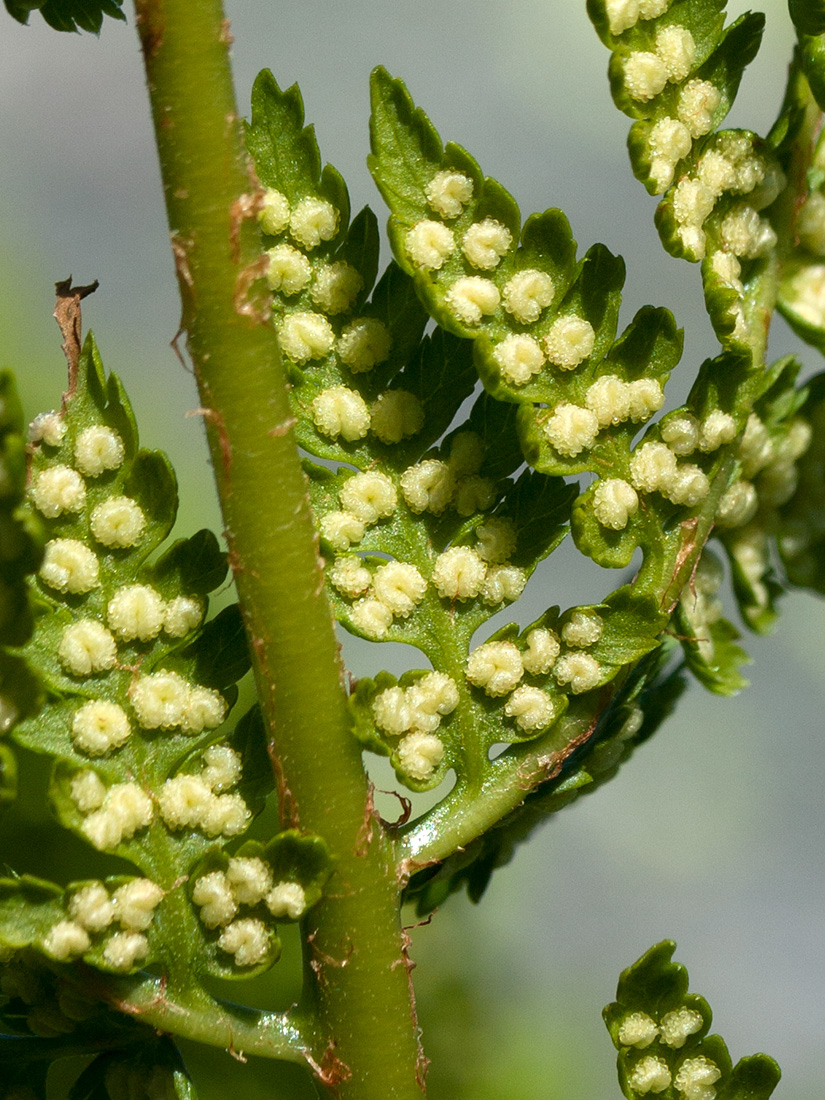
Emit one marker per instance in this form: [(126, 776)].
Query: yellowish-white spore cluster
[(110, 814), (614, 502), (87, 647), (200, 801), (647, 72), (138, 612), (118, 522), (48, 428), (57, 490), (448, 192), (654, 468), (99, 727), (93, 911), (697, 1077), (98, 450), (650, 1074), (247, 881), (165, 700), (638, 1030), (414, 714), (624, 14), (69, 566), (497, 668)]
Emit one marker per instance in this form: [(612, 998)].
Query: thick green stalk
[(365, 1042)]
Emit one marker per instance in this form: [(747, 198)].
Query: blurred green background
[(713, 834)]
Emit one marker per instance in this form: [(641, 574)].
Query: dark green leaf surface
[(68, 15)]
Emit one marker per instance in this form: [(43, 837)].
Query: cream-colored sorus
[(287, 899), (392, 710), (86, 647), (92, 907), (430, 699), (650, 1074), (205, 710), (614, 502), (677, 49), (485, 243), (652, 467), (621, 14), (755, 448), (569, 341), (273, 217), (689, 487), (496, 667), (519, 358), (694, 241), (349, 575), (340, 411), (247, 940), (496, 539), (472, 297), (543, 648), (609, 400), (223, 768), (717, 428), (69, 566), (696, 1078), (369, 496), (746, 234), (97, 450), (249, 878), (100, 726), (396, 415), (182, 615), (364, 344), (372, 618), (118, 522), (698, 102), (645, 75), (668, 142), (57, 490), (312, 221), (336, 287), (645, 397), (48, 428), (66, 939), (136, 612), (810, 223), (527, 294), (124, 950), (428, 486), (88, 791), (458, 573), (288, 271), (135, 903), (681, 433), (419, 754), (532, 708), (678, 1025), (806, 290), (126, 810), (304, 336), (503, 582), (341, 529), (449, 192), (638, 1030), (399, 586), (692, 202), (428, 244), (571, 429), (583, 629), (213, 895), (580, 670), (160, 700), (184, 801)]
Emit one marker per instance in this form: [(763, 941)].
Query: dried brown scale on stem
[(67, 313)]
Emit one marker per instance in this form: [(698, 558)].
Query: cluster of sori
[(394, 589), (116, 813), (323, 295), (247, 881), (719, 182), (498, 667), (50, 1006), (117, 615), (693, 1077), (609, 401), (91, 914), (768, 479), (414, 714)]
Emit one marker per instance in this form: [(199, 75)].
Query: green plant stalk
[(356, 982)]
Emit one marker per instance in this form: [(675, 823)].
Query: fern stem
[(356, 981)]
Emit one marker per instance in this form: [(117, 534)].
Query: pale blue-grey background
[(713, 834)]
